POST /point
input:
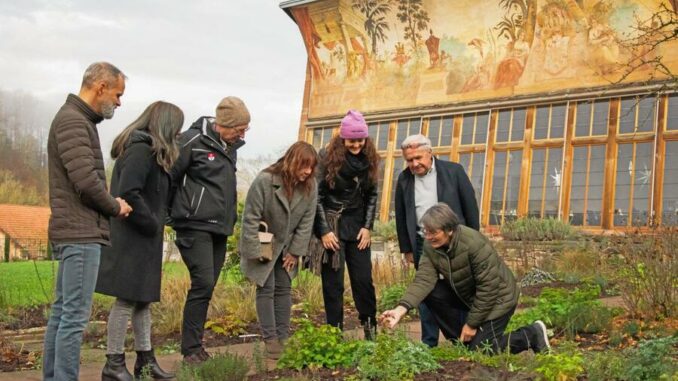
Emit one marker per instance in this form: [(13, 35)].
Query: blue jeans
[(429, 327), (77, 276)]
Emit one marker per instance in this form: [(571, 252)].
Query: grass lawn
[(31, 283)]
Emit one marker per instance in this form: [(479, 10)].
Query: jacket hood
[(140, 137)]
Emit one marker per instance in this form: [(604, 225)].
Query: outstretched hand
[(391, 318)]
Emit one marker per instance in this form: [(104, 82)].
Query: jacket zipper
[(202, 191), (449, 269)]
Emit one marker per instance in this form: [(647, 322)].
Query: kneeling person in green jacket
[(461, 270)]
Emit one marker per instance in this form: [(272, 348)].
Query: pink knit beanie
[(353, 126)]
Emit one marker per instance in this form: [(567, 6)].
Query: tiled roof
[(23, 222)]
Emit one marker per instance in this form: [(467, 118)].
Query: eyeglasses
[(430, 233), (241, 130)]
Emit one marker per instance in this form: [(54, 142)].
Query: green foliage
[(385, 230), (227, 367), (390, 296), (559, 366), (317, 347), (537, 229), (393, 358), (647, 277), (307, 287), (652, 360), (604, 366), (13, 191), (571, 311)]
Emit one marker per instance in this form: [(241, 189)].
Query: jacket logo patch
[(211, 156)]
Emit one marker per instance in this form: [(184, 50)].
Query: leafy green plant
[(317, 347), (537, 229), (390, 296), (652, 360), (227, 366), (604, 366), (559, 366), (385, 230), (393, 358), (571, 311)]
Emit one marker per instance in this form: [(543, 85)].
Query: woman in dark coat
[(130, 269), (347, 202)]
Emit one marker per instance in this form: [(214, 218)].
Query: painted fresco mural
[(389, 54)]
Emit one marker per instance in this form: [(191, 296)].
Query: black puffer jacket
[(356, 197), (205, 196)]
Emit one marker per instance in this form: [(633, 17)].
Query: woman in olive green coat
[(473, 278), (284, 197)]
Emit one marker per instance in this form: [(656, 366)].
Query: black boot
[(370, 329), (115, 369), (146, 359)]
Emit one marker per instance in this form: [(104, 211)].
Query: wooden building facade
[(582, 138)]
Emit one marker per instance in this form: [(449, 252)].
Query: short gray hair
[(99, 71), (440, 217), (417, 141)]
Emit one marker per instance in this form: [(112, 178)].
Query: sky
[(190, 53)]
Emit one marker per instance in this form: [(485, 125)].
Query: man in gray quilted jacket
[(80, 206)]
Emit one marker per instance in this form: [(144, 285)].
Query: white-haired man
[(425, 182)]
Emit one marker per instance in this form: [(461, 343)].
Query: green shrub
[(652, 360), (392, 357), (227, 367), (604, 366), (317, 347), (559, 366), (537, 229), (390, 296), (573, 312)]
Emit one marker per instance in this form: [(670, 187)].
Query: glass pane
[(646, 116), (513, 185), (642, 184), (558, 116), (670, 200), (434, 131), (537, 178), (317, 137), (382, 143), (372, 131), (482, 124), (467, 129), (600, 111), (578, 187), (627, 115), (503, 125), (583, 118), (401, 132), (398, 166), (552, 193), (465, 161), (623, 184), (477, 175), (518, 130), (595, 190), (497, 196), (327, 135), (541, 126), (446, 131), (672, 117), (415, 126)]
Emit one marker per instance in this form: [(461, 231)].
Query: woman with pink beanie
[(347, 203)]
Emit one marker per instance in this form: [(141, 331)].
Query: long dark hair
[(162, 121), (336, 154), (300, 155)]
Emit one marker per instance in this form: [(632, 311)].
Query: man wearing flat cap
[(204, 210)]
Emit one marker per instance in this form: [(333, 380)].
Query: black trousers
[(204, 255), (451, 317), (359, 263)]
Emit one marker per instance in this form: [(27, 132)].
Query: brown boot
[(273, 349)]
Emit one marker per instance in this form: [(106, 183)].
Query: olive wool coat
[(290, 222), (475, 272), (130, 269)]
